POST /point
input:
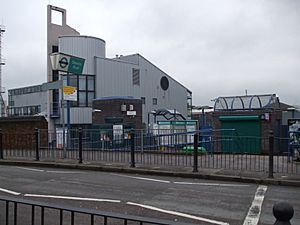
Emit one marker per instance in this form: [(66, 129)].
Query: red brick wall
[(112, 108), (19, 132)]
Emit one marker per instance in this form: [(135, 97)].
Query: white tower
[(2, 103)]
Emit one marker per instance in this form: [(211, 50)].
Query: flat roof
[(82, 36)]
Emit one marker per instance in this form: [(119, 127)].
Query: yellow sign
[(68, 90), (70, 93)]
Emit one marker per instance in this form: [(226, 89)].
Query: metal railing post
[(80, 144), (283, 212), (1, 144), (13, 211), (271, 154), (142, 140), (195, 153), (132, 163), (37, 144)]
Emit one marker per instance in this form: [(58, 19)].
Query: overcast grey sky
[(213, 47)]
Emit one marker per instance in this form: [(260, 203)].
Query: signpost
[(69, 64), (69, 93), (52, 85)]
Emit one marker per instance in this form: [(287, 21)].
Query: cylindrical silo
[(85, 47)]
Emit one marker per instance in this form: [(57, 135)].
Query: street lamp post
[(68, 114), (71, 65), (203, 108)]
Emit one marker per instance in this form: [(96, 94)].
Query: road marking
[(72, 198), (213, 184), (179, 214), (253, 215), (188, 183), (47, 171), (60, 171), (143, 178), (31, 169), (9, 191)]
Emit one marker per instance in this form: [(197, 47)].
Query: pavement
[(185, 172)]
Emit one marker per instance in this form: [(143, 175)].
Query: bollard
[(80, 144), (283, 213), (195, 153), (271, 154), (1, 145), (37, 154), (132, 163)]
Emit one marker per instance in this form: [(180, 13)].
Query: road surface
[(177, 199)]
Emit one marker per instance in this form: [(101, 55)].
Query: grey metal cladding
[(115, 78)]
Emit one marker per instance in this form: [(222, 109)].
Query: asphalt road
[(177, 199)]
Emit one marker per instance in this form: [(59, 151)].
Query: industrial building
[(243, 117), (125, 75)]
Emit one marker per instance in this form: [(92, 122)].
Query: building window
[(90, 83), (82, 83), (135, 76), (73, 81), (143, 100), (24, 111), (82, 99), (154, 100), (26, 90), (54, 48), (189, 103), (10, 99), (91, 97), (85, 85)]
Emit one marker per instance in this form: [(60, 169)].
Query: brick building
[(19, 132), (125, 111), (250, 119)]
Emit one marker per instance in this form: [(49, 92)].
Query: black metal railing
[(193, 150), (14, 211)]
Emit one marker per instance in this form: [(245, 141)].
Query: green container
[(190, 149)]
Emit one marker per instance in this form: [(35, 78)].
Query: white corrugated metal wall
[(84, 47), (175, 97), (31, 99), (114, 78)]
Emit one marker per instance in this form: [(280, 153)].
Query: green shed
[(246, 137)]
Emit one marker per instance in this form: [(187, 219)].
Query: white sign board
[(190, 137), (131, 113), (165, 131), (67, 63), (118, 133), (70, 93), (155, 128), (60, 137), (60, 62)]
